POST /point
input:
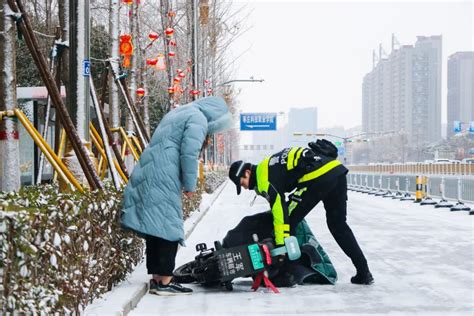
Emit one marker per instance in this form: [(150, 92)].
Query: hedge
[(59, 251)]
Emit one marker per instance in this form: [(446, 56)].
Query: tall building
[(460, 89), (301, 121), (402, 93)]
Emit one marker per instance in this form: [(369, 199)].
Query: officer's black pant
[(334, 196)]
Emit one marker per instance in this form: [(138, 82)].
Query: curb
[(129, 302)]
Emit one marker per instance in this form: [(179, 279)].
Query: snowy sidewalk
[(125, 296), (421, 258)]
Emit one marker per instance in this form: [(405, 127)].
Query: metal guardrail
[(456, 187), (417, 169)]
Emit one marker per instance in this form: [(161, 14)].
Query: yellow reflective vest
[(285, 171)]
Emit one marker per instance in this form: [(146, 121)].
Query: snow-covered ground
[(421, 258)]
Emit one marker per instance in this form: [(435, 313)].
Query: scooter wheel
[(183, 274)]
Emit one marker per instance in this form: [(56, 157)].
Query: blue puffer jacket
[(152, 198)]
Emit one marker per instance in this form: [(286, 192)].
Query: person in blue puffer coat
[(169, 165)]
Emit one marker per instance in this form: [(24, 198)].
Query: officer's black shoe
[(284, 279), (365, 278)]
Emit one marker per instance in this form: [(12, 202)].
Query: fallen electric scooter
[(219, 266)]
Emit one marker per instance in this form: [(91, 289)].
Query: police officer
[(312, 175)]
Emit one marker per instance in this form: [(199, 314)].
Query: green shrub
[(61, 250)]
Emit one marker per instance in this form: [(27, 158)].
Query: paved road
[(421, 258)]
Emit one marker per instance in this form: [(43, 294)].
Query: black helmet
[(236, 171)]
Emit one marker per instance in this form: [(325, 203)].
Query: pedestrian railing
[(417, 169), (455, 187)]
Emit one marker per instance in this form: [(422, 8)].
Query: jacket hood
[(216, 112)]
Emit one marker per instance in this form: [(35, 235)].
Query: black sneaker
[(365, 278), (169, 289)]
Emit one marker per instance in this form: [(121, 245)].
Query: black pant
[(160, 255), (334, 196)]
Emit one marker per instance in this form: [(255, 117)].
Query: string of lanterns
[(158, 63)]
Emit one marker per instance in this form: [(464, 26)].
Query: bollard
[(419, 189), (443, 202), (427, 189), (460, 206)]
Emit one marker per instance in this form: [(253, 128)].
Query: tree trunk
[(114, 108), (9, 137)]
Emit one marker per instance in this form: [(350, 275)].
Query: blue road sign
[(471, 127), (86, 68), (258, 121)]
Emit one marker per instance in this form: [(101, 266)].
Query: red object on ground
[(268, 284)]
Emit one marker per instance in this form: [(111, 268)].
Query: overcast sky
[(315, 53)]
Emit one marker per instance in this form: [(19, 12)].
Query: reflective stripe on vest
[(262, 176), (319, 172)]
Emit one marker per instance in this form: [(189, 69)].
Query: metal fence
[(456, 187)]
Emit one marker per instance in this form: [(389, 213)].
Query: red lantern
[(129, 2), (151, 62), (153, 36), (195, 92), (140, 92), (126, 48), (171, 14), (206, 82), (171, 90), (171, 54), (179, 70), (169, 32), (172, 43), (181, 75), (177, 80), (209, 91)]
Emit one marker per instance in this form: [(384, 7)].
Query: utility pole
[(9, 137), (79, 86)]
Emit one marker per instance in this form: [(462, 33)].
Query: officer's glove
[(324, 147)]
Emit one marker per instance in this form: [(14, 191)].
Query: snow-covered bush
[(214, 178), (61, 250)]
